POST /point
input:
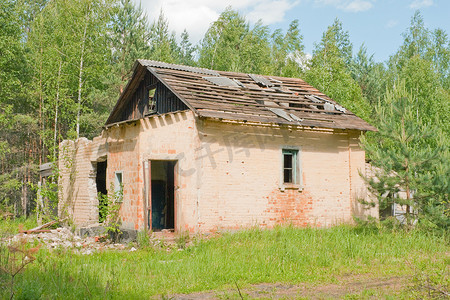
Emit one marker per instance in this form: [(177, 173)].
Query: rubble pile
[(63, 238)]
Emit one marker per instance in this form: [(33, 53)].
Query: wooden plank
[(267, 95), (251, 101)]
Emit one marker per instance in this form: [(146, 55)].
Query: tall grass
[(284, 254), (10, 227)]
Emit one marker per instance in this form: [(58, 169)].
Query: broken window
[(290, 166), (151, 101), (118, 186)]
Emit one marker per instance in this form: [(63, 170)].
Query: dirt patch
[(369, 288)]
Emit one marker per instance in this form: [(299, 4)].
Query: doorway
[(100, 180), (162, 194)]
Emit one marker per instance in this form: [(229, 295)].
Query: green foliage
[(186, 50), (182, 239), (109, 207), (9, 227), (14, 258), (423, 62), (223, 42), (231, 44), (329, 71), (163, 43), (103, 202), (47, 199), (287, 51), (370, 76), (409, 159), (143, 239), (129, 39)]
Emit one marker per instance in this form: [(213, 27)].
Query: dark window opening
[(100, 180), (162, 195), (151, 109), (290, 166)]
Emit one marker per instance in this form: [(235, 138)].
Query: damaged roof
[(250, 97)]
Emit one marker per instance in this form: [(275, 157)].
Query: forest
[(63, 65)]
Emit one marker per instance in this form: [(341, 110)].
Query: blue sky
[(377, 23)]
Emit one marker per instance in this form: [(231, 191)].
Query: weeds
[(109, 206), (143, 239), (11, 227), (284, 255), (14, 258), (432, 283), (182, 240)]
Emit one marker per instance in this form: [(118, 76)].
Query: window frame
[(151, 101), (118, 186), (296, 183)]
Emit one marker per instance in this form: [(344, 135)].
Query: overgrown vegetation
[(64, 63), (282, 255), (410, 162), (110, 207), (14, 258)]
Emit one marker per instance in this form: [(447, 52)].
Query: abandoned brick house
[(200, 150)]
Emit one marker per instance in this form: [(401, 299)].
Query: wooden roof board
[(251, 102)]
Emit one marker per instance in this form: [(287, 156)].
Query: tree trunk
[(55, 127), (80, 76)]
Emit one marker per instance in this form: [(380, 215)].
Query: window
[(290, 176), (151, 101), (118, 186)]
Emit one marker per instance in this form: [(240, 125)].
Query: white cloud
[(417, 4), (391, 23), (348, 5), (270, 11), (196, 15), (358, 5)]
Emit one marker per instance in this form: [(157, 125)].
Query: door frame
[(148, 192)]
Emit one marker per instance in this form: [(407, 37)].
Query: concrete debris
[(63, 238)]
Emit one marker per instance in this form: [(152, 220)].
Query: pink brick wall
[(227, 175), (240, 180)]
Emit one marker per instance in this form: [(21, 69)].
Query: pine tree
[(163, 44), (186, 50), (369, 75), (406, 169), (129, 40)]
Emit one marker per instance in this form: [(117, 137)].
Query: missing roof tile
[(223, 81), (261, 80), (281, 113)]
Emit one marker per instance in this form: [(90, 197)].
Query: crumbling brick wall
[(77, 187)]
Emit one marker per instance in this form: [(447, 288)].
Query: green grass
[(11, 227), (284, 254)]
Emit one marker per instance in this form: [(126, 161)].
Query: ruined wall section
[(359, 189), (241, 179), (77, 187)]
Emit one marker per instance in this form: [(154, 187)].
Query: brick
[(229, 174)]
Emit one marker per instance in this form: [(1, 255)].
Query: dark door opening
[(100, 180), (162, 194)]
